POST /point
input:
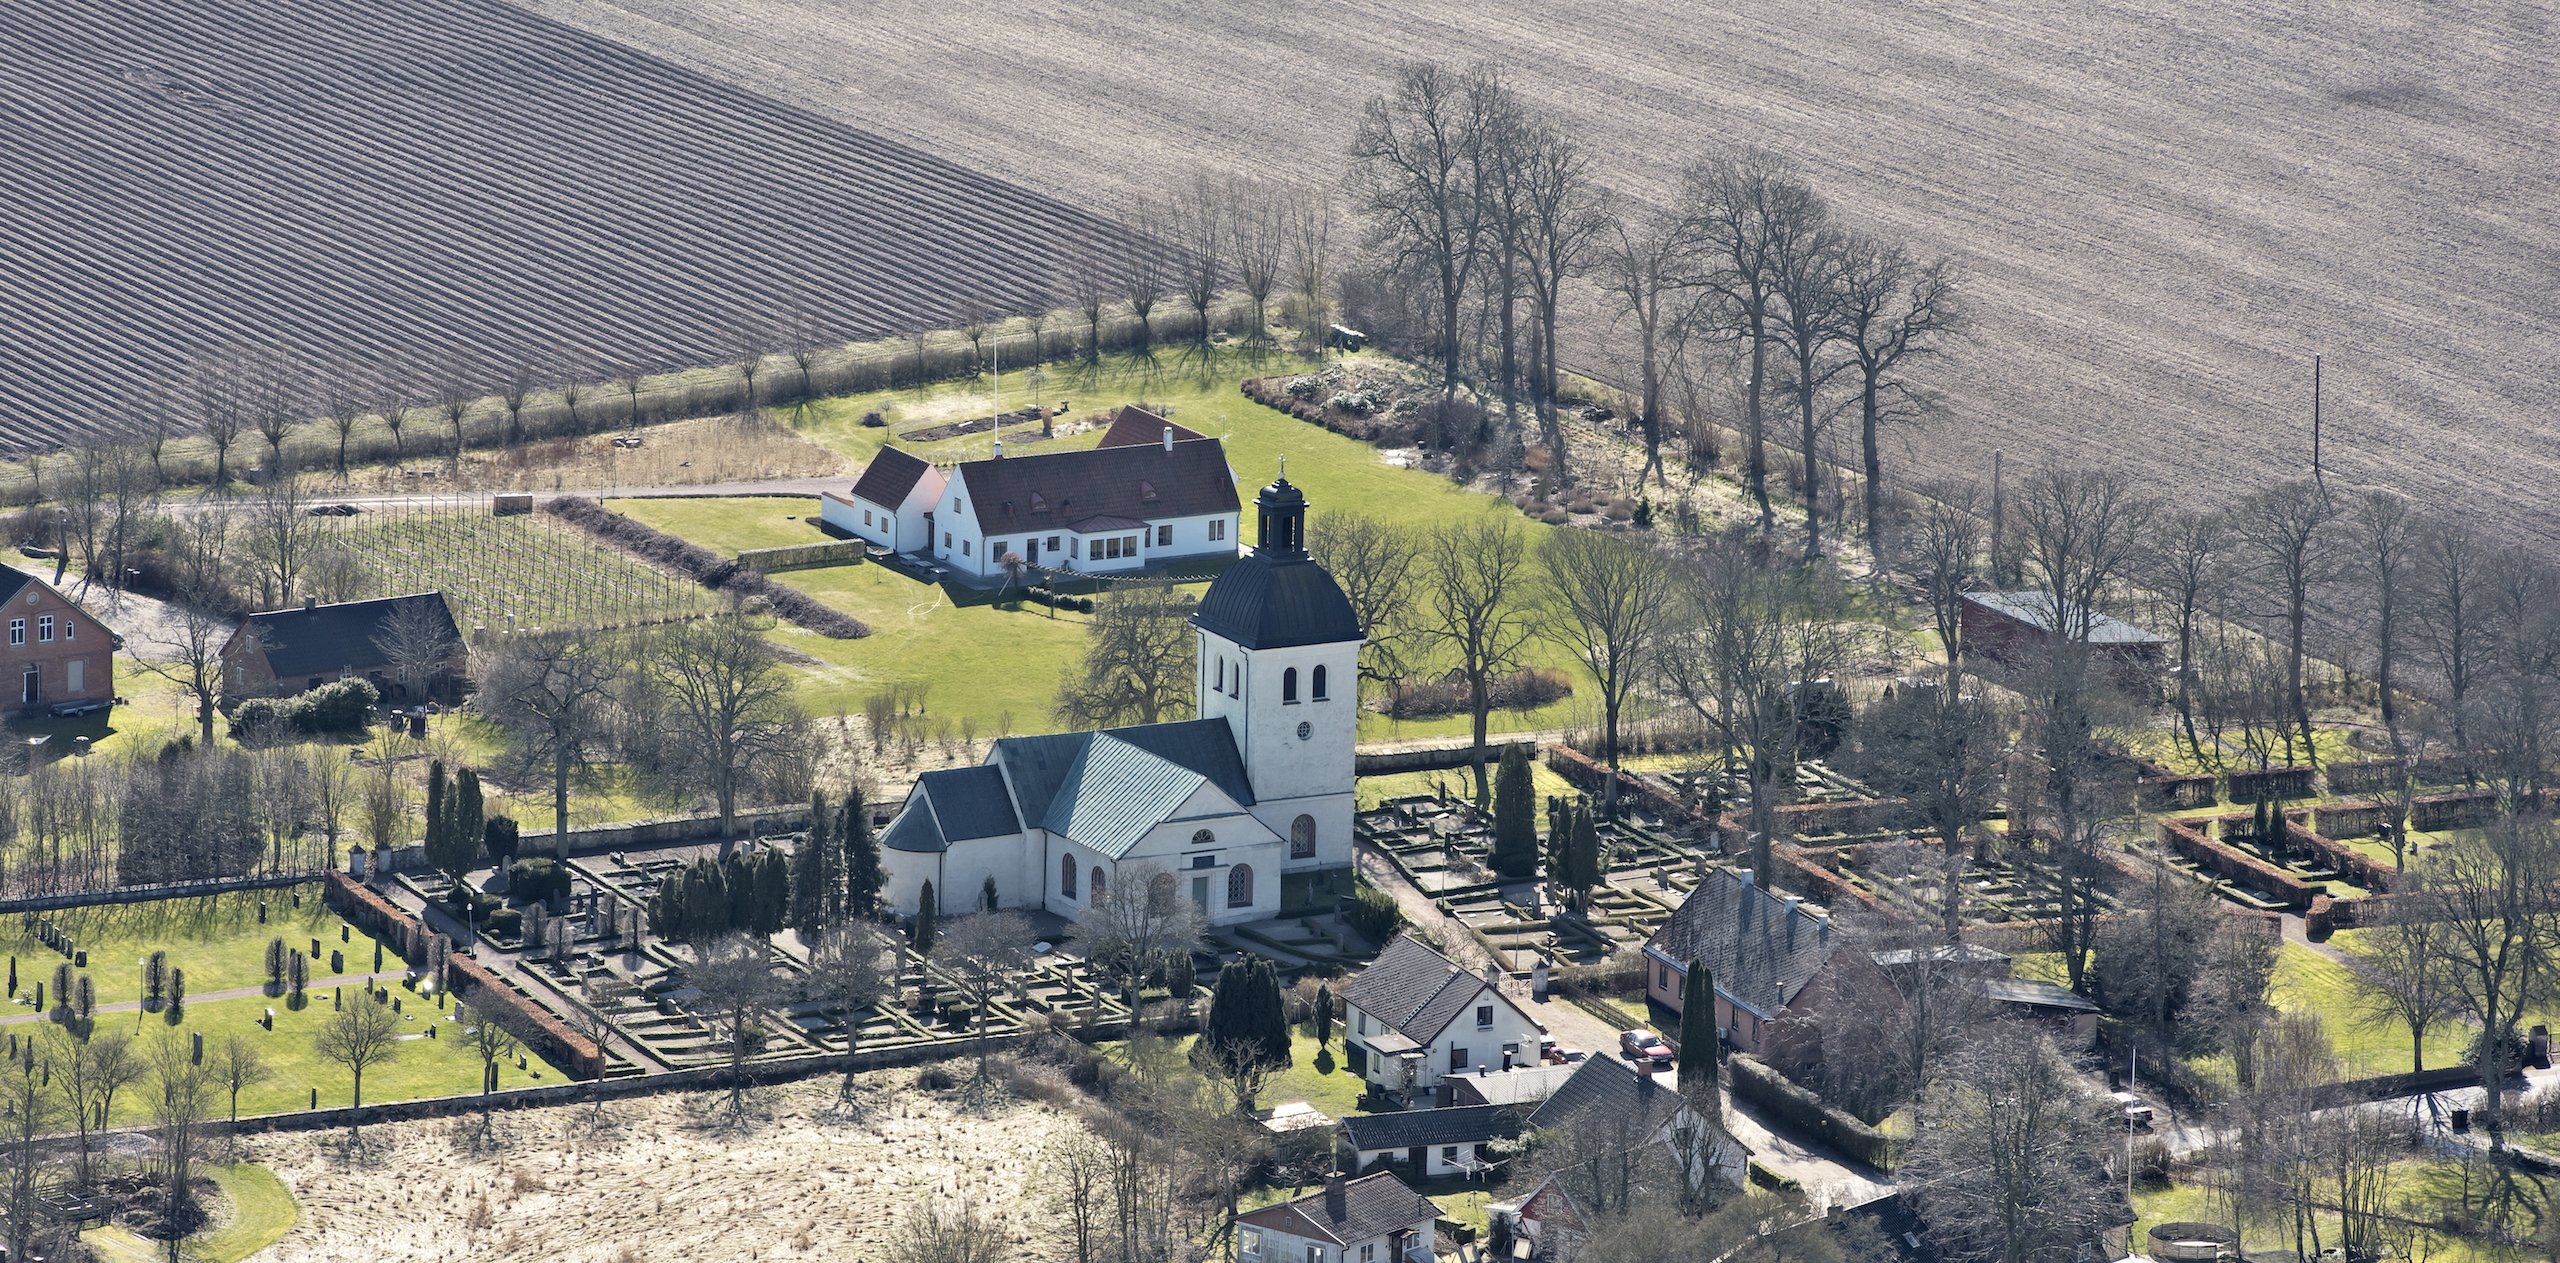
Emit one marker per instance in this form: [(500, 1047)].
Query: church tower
[(1280, 662)]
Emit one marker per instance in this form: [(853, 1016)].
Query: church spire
[(1283, 509)]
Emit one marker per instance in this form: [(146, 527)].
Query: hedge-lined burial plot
[(447, 176)]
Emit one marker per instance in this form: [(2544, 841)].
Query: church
[(1260, 784)]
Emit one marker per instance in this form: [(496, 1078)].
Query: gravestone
[(199, 1049), (337, 961), (262, 912), (315, 949)]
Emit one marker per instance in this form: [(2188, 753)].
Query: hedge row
[(1756, 1081), (721, 574)]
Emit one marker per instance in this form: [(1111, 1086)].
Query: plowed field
[(353, 175), (2166, 208)]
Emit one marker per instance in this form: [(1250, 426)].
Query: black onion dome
[(1263, 603)]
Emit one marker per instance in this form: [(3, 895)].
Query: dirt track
[(2165, 208)]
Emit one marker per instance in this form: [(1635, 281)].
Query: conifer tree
[(863, 873), (922, 940), (1700, 1050), (439, 816), (815, 864), (468, 813), (1515, 830), (1583, 855), (1324, 1015)]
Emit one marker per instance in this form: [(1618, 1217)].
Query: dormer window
[(1146, 490), (1038, 503)]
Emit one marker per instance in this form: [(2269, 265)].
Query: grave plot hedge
[(721, 574)]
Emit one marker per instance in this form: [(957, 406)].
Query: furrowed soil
[(2163, 210), (664, 1179)]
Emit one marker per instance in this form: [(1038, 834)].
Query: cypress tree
[(772, 892), (1699, 1048), (13, 975), (863, 874), (439, 818), (298, 973), (987, 895), (178, 994), (275, 963), (466, 829), (813, 871), (706, 901), (1582, 855), (1515, 831), (88, 998), (922, 940), (1324, 1015)]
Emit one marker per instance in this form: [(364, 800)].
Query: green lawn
[(217, 939), (262, 1211), (1460, 782), (732, 526), (982, 661), (2307, 982)]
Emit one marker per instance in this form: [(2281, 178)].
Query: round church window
[(1306, 730)]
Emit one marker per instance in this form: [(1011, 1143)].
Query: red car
[(1645, 1048), (1556, 1054)]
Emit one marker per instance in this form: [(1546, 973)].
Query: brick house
[(1764, 950), (55, 659), (284, 652), (1373, 1219)]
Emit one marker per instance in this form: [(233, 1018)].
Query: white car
[(2136, 1111)]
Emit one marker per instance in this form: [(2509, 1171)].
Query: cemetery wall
[(2275, 782), (664, 830), (1435, 760), (2246, 870)]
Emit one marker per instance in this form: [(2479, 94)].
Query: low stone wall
[(1389, 763), (161, 890), (801, 557)]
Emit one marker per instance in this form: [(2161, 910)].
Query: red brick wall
[(88, 642), (471, 981)]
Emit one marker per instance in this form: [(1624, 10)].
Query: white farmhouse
[(1260, 784), (1416, 1018), (1373, 1219), (1152, 492)]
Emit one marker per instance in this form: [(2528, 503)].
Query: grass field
[(732, 526), (262, 1211), (217, 939)]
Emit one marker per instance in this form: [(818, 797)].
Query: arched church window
[(1302, 838), (1067, 876), (1315, 684), (1161, 892), (1289, 686), (1096, 894), (1222, 673), (1240, 886), (1204, 838)]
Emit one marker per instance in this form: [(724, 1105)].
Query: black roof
[(1456, 1125), (1049, 491), (1262, 603), (1371, 1206), (1416, 991), (1760, 953), (325, 638), (889, 477), (1612, 1087), (13, 580), (970, 802)]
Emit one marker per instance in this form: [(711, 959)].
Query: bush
[(1525, 689), (537, 879), (935, 1079), (504, 923), (1096, 1073), (338, 706), (1374, 914), (1306, 388)]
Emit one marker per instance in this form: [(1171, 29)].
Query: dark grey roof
[(1104, 522), (327, 638), (970, 802), (1106, 789), (1416, 991), (1039, 765), (1134, 426), (1760, 953), (1615, 1089), (1456, 1125), (889, 477), (2035, 609), (1139, 483), (13, 580), (1261, 603), (2035, 993), (914, 828), (1366, 1208)]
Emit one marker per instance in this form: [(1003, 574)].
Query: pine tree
[(1324, 1015), (863, 874), (1515, 830), (1583, 855), (987, 895), (1699, 1048), (922, 940)]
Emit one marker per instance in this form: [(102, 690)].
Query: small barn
[(2019, 629), (402, 645)]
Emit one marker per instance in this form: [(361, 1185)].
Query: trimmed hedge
[(721, 574), (1755, 1080), (338, 706)]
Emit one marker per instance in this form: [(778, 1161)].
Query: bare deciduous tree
[(415, 639), (1414, 181), (218, 387), (731, 697), (283, 531), (359, 1037), (1475, 576), (2007, 1171), (2286, 529), (1307, 230), (1139, 918), (552, 694), (735, 976), (2492, 899), (1893, 309), (981, 952), (1374, 561), (457, 388), (2188, 565), (1743, 207), (191, 639), (1568, 218), (1139, 659), (1941, 543), (1646, 267), (1607, 600)]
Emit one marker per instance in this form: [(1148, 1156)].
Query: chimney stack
[(999, 449), (1793, 903), (1333, 1182), (1168, 438), (308, 602)]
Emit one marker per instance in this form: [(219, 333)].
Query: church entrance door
[(1200, 893)]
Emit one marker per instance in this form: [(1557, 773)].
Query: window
[(1204, 861), (1302, 838), (1289, 686), (1457, 1060), (955, 504), (30, 687), (997, 549), (1315, 1254), (1448, 1154), (1130, 544), (1218, 528), (1067, 876), (1203, 837), (1164, 536), (1040, 504), (1484, 1016), (866, 517), (1235, 686), (1240, 886), (946, 539), (1315, 684), (1096, 892), (44, 630), (1248, 1243), (1053, 543), (1073, 545), (17, 631), (964, 548), (1368, 1253), (1222, 673), (70, 628)]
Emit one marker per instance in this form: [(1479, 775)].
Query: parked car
[(2134, 1110), (1556, 1054), (1642, 1046)]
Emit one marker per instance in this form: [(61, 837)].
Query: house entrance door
[(30, 687), (1199, 892)]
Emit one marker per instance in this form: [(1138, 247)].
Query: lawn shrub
[(935, 1079), (338, 706), (1374, 914), (1422, 697), (703, 566), (505, 923), (531, 879)]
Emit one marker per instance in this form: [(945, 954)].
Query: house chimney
[(1333, 1182), (1822, 927), (308, 602), (1794, 902), (999, 449), (1168, 438)]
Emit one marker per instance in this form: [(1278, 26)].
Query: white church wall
[(1202, 870), (907, 872), (967, 865), (1331, 813)]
